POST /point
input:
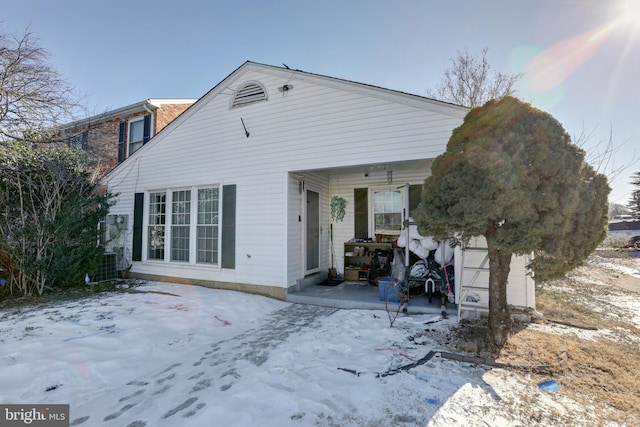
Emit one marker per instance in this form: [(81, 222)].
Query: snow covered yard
[(166, 354)]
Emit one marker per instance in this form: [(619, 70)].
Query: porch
[(377, 197)]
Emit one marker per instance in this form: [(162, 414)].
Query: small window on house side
[(79, 141), (387, 211)]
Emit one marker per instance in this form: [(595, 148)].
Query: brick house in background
[(115, 135)]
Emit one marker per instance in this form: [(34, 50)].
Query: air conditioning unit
[(116, 225), (108, 269), (121, 221)]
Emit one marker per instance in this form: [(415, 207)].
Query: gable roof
[(367, 85), (391, 95), (369, 89)]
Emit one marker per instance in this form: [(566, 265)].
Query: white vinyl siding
[(320, 126)]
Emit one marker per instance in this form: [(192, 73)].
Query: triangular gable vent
[(248, 94)]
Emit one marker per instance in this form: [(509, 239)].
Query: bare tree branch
[(600, 154), (34, 97), (468, 82)]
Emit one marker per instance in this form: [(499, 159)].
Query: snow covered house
[(236, 192)]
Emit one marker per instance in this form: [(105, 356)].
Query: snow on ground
[(84, 347), (169, 354), (184, 355), (630, 266)]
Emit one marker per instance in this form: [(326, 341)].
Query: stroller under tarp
[(426, 276)]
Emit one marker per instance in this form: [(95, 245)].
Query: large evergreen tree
[(511, 174), (50, 208)]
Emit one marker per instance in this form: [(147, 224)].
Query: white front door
[(312, 231)]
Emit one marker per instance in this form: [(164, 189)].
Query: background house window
[(156, 228), (79, 141), (136, 135), (180, 224), (387, 210), (207, 229)]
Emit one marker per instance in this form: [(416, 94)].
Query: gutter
[(124, 111), (152, 121)]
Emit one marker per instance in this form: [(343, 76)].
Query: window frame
[(372, 206), (215, 227), (193, 213), (79, 141), (160, 240), (138, 143), (176, 216)]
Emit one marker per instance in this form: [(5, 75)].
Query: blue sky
[(580, 59)]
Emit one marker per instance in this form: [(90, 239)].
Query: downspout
[(152, 131)]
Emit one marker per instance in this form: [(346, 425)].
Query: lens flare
[(554, 65), (630, 12)]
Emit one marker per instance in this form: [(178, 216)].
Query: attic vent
[(248, 94)]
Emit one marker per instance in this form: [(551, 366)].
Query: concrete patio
[(362, 295)]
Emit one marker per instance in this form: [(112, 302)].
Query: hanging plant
[(338, 205)]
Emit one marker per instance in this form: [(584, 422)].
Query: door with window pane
[(312, 231)]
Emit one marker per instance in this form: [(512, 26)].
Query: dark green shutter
[(228, 226), (361, 213), (146, 132), (138, 212), (121, 132), (85, 140)]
